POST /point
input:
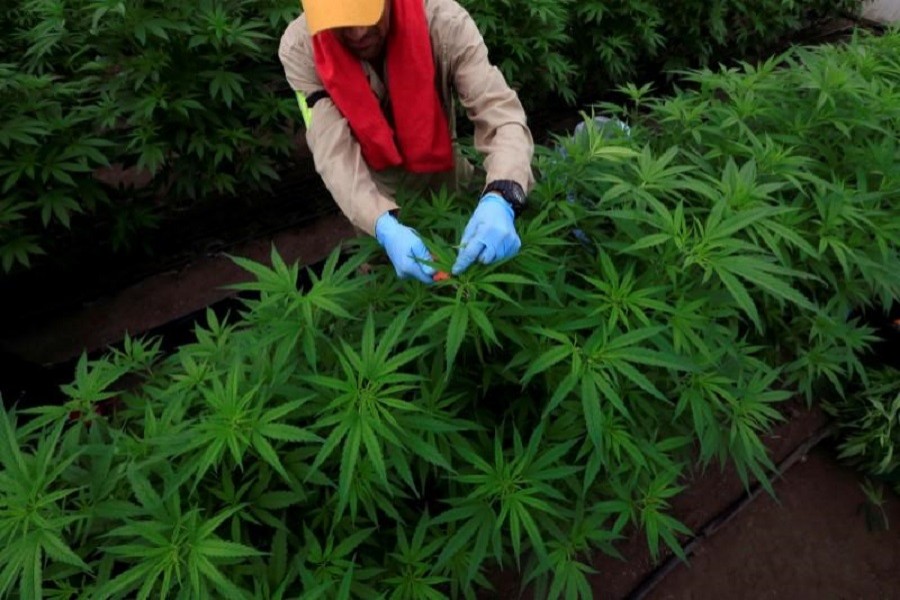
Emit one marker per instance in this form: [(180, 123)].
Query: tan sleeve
[(336, 153), (501, 129)]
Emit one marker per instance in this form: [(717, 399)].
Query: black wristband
[(510, 191)]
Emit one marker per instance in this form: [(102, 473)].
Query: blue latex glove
[(403, 246), (490, 235)]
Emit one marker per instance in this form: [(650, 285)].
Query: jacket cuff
[(524, 177), (370, 211)]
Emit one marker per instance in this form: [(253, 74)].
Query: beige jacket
[(461, 60)]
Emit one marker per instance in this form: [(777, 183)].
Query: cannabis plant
[(869, 424)]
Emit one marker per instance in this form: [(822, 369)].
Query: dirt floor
[(711, 495), (812, 542)]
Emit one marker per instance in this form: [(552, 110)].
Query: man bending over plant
[(373, 79)]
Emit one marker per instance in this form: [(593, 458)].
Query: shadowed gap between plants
[(89, 270), (27, 384)]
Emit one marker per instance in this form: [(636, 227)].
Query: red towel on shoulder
[(421, 142)]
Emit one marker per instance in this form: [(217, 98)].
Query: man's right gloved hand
[(405, 249)]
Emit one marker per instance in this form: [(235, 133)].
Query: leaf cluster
[(187, 99), (568, 50)]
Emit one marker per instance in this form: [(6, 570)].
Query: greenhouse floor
[(811, 541)]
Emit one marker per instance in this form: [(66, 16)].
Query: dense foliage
[(367, 437), (566, 48), (190, 100), (189, 96), (869, 425), (835, 115)]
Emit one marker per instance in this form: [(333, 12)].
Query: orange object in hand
[(440, 275)]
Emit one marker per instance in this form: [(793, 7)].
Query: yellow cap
[(328, 14)]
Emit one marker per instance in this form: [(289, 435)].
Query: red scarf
[(421, 142)]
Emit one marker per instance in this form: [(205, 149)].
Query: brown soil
[(709, 495), (810, 542)]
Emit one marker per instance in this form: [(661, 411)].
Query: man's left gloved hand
[(490, 235)]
